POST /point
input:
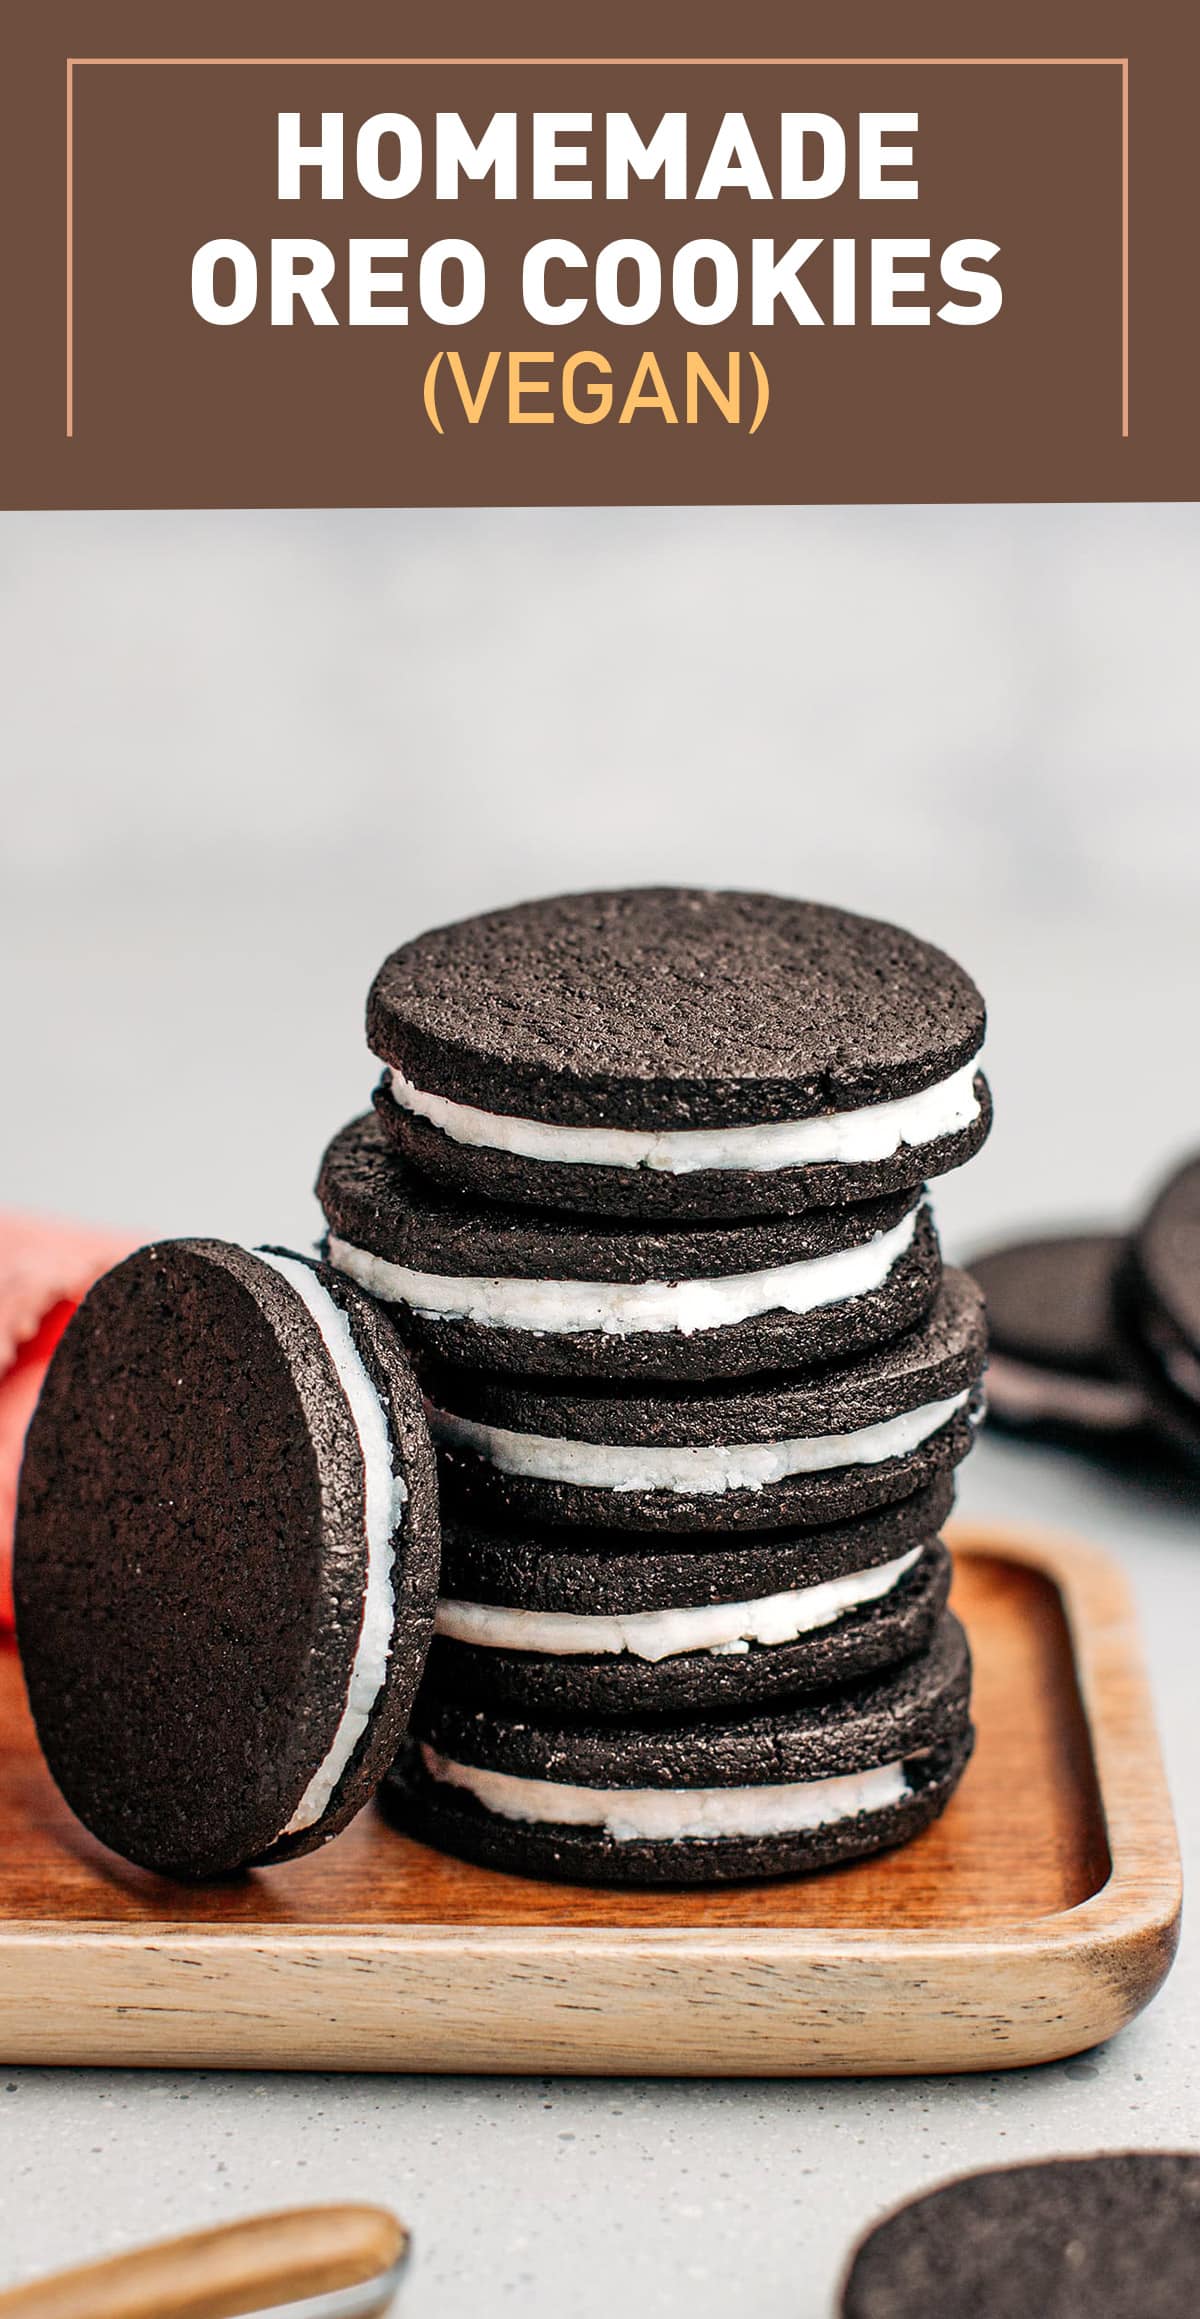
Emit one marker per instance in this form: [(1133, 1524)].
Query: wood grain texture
[(268, 2260), (1037, 1917)]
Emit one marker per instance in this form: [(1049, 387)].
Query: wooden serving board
[(1037, 1917)]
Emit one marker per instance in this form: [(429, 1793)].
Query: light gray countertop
[(248, 756)]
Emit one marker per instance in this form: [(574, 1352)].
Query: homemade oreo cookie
[(226, 1556), (554, 1625), (1058, 1360), (681, 1802), (1113, 2237), (675, 1053), (801, 1450), (516, 1290), (1160, 1291)]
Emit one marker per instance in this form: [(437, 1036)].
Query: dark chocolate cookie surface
[(1112, 2237), (666, 1012), (813, 1447), (537, 1293), (226, 1556), (893, 1715), (648, 1665), (1058, 1360), (940, 1358), (673, 1007), (676, 1802), (727, 1194), (443, 1816), (646, 1678), (615, 1573)]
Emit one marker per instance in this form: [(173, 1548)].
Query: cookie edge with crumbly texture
[(614, 1574), (649, 1195), (875, 1636), (771, 1342), (415, 1570), (803, 1501), (582, 1856), (420, 980)]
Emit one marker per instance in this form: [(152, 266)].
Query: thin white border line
[(891, 62)]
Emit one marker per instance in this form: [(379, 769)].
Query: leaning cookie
[(1112, 2237), (1159, 1291), (693, 1802), (226, 1556), (1058, 1359), (511, 1289), (800, 1450), (559, 1625), (678, 1053)]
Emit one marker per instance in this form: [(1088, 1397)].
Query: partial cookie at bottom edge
[(1116, 2236)]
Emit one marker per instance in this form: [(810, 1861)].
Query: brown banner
[(288, 257)]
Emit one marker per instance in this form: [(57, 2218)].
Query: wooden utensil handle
[(215, 2274)]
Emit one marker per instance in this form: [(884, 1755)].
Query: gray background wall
[(246, 753)]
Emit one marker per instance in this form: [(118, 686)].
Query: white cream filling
[(632, 1814), (876, 1132), (384, 1497), (720, 1627), (624, 1308), (703, 1470)]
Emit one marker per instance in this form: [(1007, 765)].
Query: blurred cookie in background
[(1060, 1365), (1159, 1294)]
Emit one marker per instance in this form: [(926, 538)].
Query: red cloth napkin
[(45, 1269)]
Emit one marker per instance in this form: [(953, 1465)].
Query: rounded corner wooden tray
[(1036, 1918)]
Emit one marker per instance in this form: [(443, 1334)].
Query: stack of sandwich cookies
[(589, 1624), (679, 1801), (509, 1289), (644, 1192), (798, 1449)]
